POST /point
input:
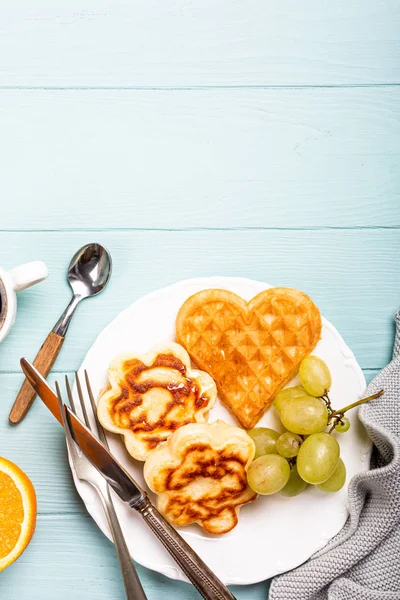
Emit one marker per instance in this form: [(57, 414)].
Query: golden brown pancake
[(251, 349), (150, 396), (200, 475)]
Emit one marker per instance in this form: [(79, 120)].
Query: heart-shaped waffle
[(251, 349)]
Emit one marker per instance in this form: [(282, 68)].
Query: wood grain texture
[(70, 558), (200, 43), (199, 158), (229, 137), (349, 274), (43, 361)]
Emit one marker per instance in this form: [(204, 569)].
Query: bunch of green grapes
[(306, 453)]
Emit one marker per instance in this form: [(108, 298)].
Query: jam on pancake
[(150, 396), (200, 475)]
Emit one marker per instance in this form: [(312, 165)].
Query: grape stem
[(341, 411), (336, 416), (325, 398)]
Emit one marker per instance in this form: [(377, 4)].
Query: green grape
[(295, 484), (268, 474), (264, 439), (287, 394), (304, 415), (288, 444), (315, 376), (336, 481), (343, 425), (317, 458)]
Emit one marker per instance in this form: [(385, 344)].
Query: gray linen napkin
[(363, 561)]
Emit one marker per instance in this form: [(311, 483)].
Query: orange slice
[(17, 512)]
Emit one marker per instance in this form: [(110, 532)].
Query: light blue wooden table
[(253, 138)]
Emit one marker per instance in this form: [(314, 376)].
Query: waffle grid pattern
[(251, 350)]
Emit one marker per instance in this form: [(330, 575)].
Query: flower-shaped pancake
[(149, 396), (200, 475)]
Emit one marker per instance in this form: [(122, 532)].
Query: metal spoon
[(88, 274)]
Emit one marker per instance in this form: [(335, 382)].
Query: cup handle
[(29, 274)]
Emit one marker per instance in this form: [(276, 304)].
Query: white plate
[(274, 534)]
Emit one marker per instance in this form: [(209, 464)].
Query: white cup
[(14, 281)]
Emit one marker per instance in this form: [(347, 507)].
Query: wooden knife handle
[(43, 362)]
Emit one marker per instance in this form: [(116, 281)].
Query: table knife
[(205, 581)]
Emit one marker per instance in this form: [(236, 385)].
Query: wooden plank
[(199, 43), (70, 558), (349, 274), (370, 374), (203, 158)]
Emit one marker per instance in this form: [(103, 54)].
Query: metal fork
[(85, 471), (196, 570)]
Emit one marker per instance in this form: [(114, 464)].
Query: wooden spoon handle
[(43, 362)]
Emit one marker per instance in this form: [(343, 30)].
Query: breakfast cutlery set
[(91, 456), (88, 274)]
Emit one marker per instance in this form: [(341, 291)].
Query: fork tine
[(60, 401), (100, 428), (89, 389), (67, 430), (82, 401), (69, 393)]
